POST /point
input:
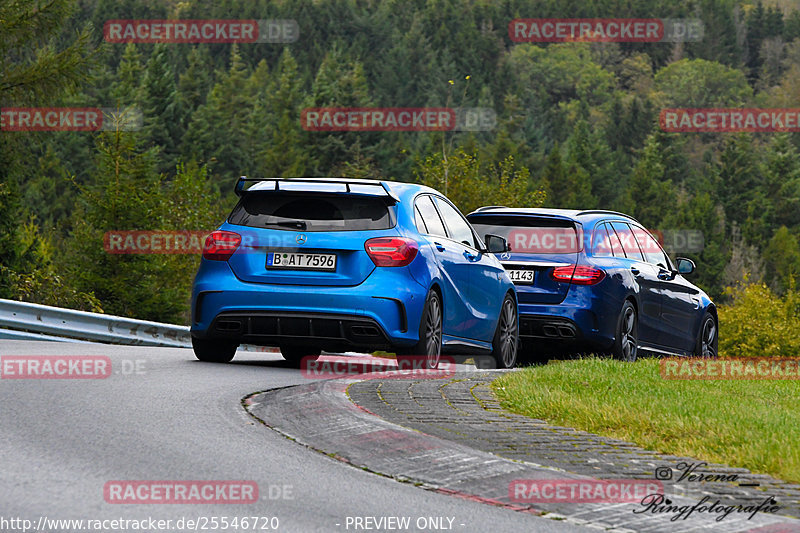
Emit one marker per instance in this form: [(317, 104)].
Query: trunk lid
[(538, 243)]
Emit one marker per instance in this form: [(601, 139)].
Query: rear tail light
[(578, 274), (391, 251), (220, 245)]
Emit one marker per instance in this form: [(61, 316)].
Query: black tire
[(505, 345), (707, 337), (625, 347), (296, 354), (429, 346), (214, 351)]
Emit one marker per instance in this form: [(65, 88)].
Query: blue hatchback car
[(335, 264), (598, 280)]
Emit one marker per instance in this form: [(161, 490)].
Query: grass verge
[(749, 424)]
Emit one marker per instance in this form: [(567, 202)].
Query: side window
[(421, 227), (628, 241), (616, 246), (430, 218), (652, 250), (601, 243), (458, 228)]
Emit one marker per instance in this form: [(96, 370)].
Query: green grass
[(749, 424)]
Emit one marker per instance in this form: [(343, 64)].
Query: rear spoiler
[(347, 182)]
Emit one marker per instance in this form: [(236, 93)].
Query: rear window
[(531, 235), (313, 212)]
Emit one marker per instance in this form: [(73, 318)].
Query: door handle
[(665, 276), (439, 246), (470, 256), (635, 271)]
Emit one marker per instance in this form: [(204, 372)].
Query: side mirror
[(496, 244), (685, 266)]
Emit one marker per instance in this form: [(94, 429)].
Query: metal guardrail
[(27, 321), (95, 327)]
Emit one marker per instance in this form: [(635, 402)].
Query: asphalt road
[(162, 415)]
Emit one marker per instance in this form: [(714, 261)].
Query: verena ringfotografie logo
[(715, 120), (760, 368), (398, 119), (70, 119), (180, 492), (55, 367), (582, 490), (415, 367), (605, 30), (201, 31)]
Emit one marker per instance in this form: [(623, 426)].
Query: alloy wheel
[(707, 348), (508, 334), (433, 332), (628, 341)]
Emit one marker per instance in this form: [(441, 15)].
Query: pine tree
[(340, 82), (125, 88), (589, 158), (126, 194), (740, 176), (217, 130), (652, 193), (782, 181), (284, 152), (194, 82), (161, 108), (33, 71), (782, 258)]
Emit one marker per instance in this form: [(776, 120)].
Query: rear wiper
[(296, 224)]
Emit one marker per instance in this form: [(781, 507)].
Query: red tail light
[(579, 275), (391, 251), (220, 245)]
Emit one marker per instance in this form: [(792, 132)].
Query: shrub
[(758, 323)]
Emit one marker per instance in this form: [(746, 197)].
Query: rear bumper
[(587, 321), (382, 312), (270, 328), (548, 327)]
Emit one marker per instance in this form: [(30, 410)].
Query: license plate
[(295, 261), (521, 277)]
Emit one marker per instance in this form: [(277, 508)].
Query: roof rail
[(605, 212), (240, 190)]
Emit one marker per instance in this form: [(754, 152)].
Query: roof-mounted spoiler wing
[(347, 182)]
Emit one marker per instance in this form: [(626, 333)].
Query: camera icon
[(663, 473)]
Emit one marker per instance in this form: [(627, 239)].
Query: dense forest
[(577, 127)]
